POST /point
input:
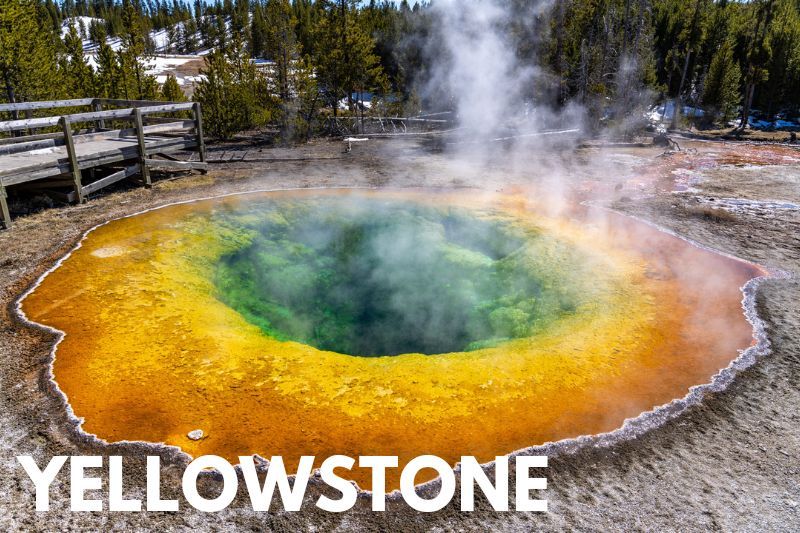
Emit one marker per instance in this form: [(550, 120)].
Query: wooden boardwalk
[(63, 154)]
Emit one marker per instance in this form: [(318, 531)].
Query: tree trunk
[(690, 45), (627, 33), (749, 91), (12, 99), (10, 91), (677, 107), (759, 35), (138, 79), (346, 53), (584, 74)]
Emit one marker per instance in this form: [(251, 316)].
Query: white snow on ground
[(662, 114), (91, 59), (160, 37), (665, 112), (778, 124), (162, 64), (88, 46), (167, 63)]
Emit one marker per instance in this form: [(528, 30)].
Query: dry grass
[(713, 214), (191, 68), (733, 134)]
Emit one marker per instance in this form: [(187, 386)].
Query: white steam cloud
[(477, 67)]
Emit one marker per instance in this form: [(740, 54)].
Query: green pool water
[(391, 277)]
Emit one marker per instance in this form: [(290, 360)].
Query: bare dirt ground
[(752, 135), (730, 463)]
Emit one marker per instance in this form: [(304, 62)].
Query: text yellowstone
[(261, 480)]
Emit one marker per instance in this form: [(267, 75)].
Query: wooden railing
[(96, 104), (139, 114), (127, 113)]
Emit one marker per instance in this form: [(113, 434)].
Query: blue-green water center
[(390, 277)]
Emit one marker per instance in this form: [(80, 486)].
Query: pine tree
[(206, 27), (27, 55), (346, 60), (258, 32), (77, 74), (174, 37), (137, 84), (189, 44), (305, 14), (53, 16), (240, 21), (784, 45), (171, 91), (280, 44), (233, 93), (758, 53), (305, 105), (108, 81), (721, 96), (97, 32), (686, 47), (221, 33)]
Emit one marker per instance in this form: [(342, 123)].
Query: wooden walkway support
[(46, 150)]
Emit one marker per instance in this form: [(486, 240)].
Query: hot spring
[(382, 323), (389, 277)]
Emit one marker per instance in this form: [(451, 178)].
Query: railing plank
[(166, 108), (46, 122), (23, 124), (47, 104), (181, 125), (27, 138), (108, 180), (130, 103), (94, 116), (49, 169), (176, 165), (30, 145)]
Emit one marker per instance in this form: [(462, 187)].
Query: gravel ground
[(729, 463)]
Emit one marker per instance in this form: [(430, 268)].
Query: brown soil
[(730, 463), (191, 68)]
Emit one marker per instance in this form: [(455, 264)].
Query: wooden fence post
[(73, 158), (97, 107), (6, 215), (138, 124), (29, 115), (198, 120)]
